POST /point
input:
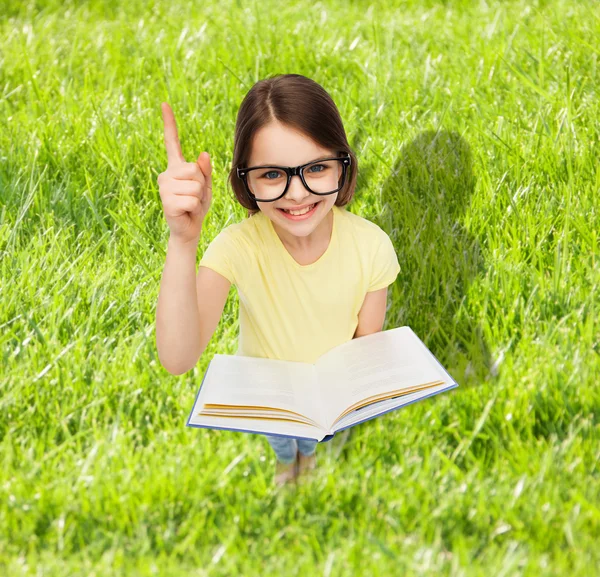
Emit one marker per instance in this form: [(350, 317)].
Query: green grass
[(476, 126)]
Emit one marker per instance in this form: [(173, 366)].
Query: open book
[(352, 383)]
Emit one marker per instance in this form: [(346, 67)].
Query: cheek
[(328, 202), (331, 200)]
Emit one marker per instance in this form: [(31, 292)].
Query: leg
[(306, 446), (306, 459), (285, 448)]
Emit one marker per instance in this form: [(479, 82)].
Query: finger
[(204, 163), (187, 171), (206, 166), (189, 188), (186, 204), (174, 154)]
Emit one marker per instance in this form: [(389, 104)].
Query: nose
[(296, 190)]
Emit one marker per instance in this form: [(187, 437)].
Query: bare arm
[(177, 316), (371, 317), (182, 329)]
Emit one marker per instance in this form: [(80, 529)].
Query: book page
[(261, 382), (382, 407), (379, 363), (263, 426)]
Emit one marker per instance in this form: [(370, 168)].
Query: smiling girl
[(310, 274)]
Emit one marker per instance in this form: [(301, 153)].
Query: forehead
[(278, 144)]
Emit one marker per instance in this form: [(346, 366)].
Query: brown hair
[(301, 104)]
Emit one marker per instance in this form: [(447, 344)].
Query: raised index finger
[(174, 154)]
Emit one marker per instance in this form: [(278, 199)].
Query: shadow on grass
[(425, 198)]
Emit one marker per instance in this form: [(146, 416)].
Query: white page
[(388, 404), (256, 381), (265, 426), (244, 413), (378, 363)]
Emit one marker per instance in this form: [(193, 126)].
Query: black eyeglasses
[(317, 182)]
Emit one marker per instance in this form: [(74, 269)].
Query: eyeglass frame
[(291, 171)]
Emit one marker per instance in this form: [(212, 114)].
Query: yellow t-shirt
[(297, 312)]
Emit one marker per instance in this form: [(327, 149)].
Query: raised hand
[(185, 187)]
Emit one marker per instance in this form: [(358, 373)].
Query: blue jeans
[(285, 447)]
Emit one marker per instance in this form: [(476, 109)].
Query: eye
[(317, 166), (275, 172)]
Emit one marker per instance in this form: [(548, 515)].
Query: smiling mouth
[(305, 210)]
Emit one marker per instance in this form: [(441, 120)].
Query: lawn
[(476, 127)]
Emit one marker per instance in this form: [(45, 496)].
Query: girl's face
[(279, 145)]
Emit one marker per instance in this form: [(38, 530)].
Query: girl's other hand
[(185, 187)]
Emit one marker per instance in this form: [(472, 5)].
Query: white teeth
[(299, 212)]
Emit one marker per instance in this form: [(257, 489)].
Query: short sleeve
[(220, 256), (385, 266)]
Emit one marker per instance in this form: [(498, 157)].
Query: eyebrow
[(287, 166)]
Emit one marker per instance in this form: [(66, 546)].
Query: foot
[(285, 473), (306, 464)]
